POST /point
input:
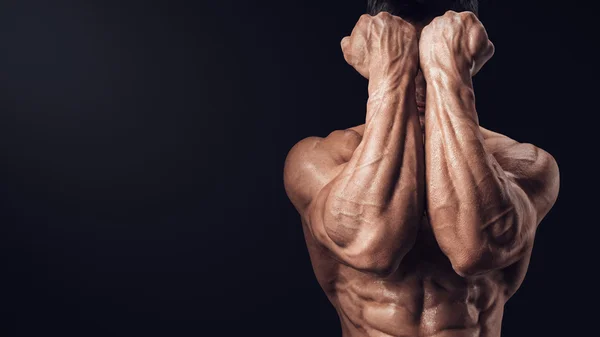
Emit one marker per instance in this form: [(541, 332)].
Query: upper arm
[(530, 168), (314, 162)]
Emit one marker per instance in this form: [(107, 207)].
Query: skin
[(420, 222)]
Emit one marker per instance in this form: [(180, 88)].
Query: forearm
[(372, 209), (480, 217)]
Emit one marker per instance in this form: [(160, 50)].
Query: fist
[(381, 44), (456, 41)]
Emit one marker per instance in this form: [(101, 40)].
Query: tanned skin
[(420, 222)]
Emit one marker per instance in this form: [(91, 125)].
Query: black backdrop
[(142, 147)]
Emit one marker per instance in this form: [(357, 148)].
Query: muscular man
[(419, 222)]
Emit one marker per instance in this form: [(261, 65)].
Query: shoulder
[(300, 151), (496, 142), (506, 148), (313, 162), (535, 170), (339, 143)]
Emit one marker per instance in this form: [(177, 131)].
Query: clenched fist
[(382, 44), (455, 42)]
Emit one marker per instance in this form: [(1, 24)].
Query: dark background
[(142, 147)]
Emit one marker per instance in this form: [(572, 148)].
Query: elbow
[(382, 262), (376, 247), (468, 263), (474, 258), (367, 239), (476, 263), (491, 250)]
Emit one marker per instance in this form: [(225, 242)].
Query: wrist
[(395, 81), (395, 62), (393, 74), (456, 87), (447, 72)]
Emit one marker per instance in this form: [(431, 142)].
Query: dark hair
[(419, 10)]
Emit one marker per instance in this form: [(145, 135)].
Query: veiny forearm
[(372, 209), (481, 219)]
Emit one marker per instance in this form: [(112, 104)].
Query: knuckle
[(349, 58), (344, 44), (364, 17), (400, 20), (440, 20), (468, 15), (491, 48)]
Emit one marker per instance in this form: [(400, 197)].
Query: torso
[(424, 297)]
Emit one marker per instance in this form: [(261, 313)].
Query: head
[(419, 13)]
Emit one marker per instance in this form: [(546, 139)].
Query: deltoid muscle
[(416, 233)]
